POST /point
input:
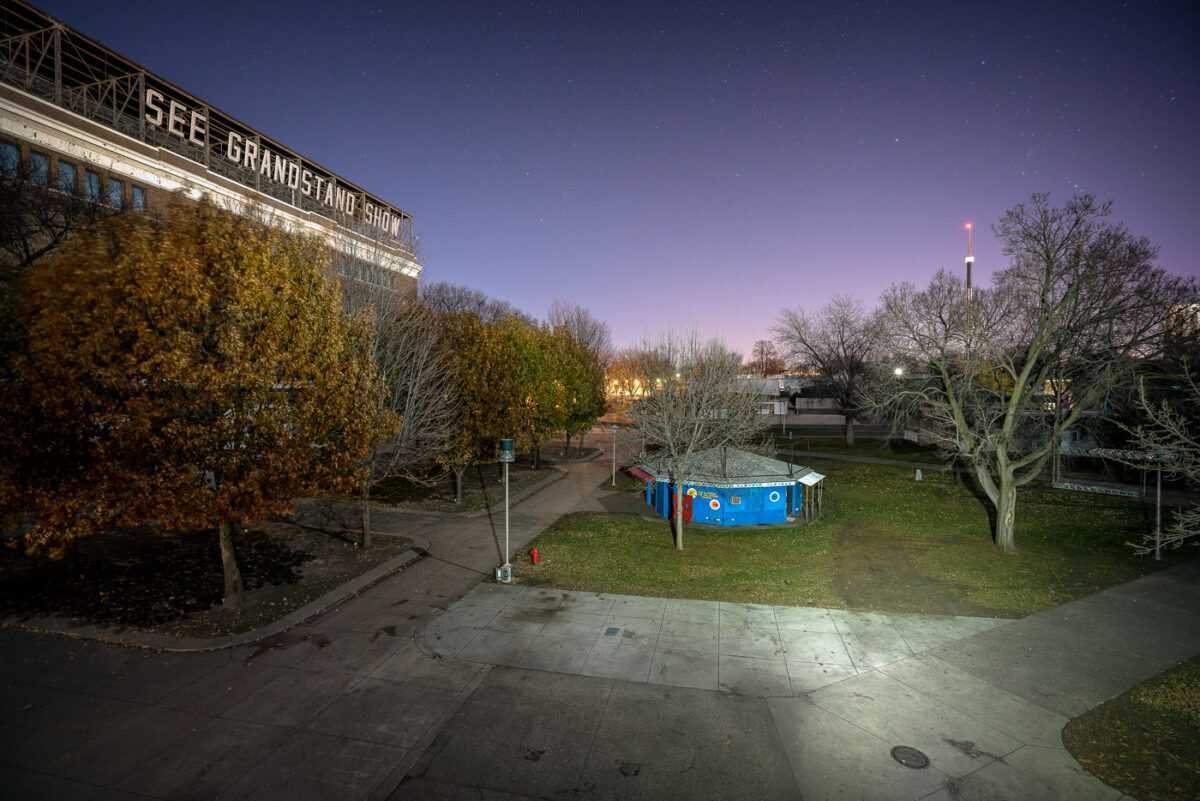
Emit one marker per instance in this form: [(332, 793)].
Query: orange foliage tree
[(191, 372)]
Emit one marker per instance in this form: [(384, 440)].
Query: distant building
[(78, 118), (732, 487)]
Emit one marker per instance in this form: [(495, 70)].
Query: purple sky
[(703, 165)]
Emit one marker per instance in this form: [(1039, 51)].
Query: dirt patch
[(869, 572), (172, 583)]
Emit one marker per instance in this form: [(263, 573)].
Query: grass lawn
[(897, 450), (884, 542), (1146, 741)]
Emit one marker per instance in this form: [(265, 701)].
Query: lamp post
[(614, 461), (507, 454)]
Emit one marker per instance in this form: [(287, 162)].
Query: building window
[(39, 168), (66, 177), (139, 199), (116, 193), (10, 159), (91, 186)]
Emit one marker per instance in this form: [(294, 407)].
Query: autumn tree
[(997, 381), (585, 351), (583, 379), (840, 342), (533, 353), (489, 400), (691, 400), (194, 372)]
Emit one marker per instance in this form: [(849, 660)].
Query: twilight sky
[(703, 165)]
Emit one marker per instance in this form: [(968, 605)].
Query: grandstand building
[(78, 118)]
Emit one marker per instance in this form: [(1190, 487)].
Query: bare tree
[(997, 381), (593, 335), (839, 341), (691, 401), (764, 359), (628, 368), (34, 221), (445, 298), (415, 364), (1170, 438)]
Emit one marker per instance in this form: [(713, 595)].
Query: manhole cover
[(909, 757)]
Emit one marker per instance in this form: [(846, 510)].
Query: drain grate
[(909, 757)]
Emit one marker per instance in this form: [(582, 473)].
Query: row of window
[(362, 270), (95, 187)]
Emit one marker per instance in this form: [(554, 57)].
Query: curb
[(167, 643)]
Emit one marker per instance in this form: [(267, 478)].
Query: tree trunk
[(365, 541), (849, 432), (235, 597), (567, 448), (679, 515), (1006, 509), (458, 479), (537, 456)]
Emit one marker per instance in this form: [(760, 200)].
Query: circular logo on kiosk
[(714, 504), (774, 496)]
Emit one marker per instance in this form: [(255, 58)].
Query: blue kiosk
[(732, 487)]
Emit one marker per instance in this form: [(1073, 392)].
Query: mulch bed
[(483, 487), (172, 583)]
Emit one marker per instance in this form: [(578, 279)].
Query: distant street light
[(614, 470), (899, 371), (507, 455)]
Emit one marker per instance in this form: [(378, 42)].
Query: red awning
[(642, 474)]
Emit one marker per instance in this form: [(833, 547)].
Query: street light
[(899, 371), (614, 470), (507, 454)]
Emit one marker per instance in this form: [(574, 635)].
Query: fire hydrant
[(533, 552)]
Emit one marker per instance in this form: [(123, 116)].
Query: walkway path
[(366, 702)]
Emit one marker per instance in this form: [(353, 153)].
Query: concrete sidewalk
[(984, 700), (435, 683), (744, 649)]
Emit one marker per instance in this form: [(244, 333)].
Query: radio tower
[(970, 260)]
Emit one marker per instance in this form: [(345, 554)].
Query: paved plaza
[(437, 683), (744, 649)]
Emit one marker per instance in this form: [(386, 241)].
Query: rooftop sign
[(53, 61)]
